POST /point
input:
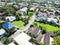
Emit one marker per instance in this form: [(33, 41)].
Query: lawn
[(48, 27), (19, 24), (30, 13)]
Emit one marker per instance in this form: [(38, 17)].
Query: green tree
[(10, 10), (6, 40), (17, 17), (57, 33), (36, 42), (56, 40)]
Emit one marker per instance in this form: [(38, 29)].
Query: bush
[(36, 42), (56, 40), (17, 17), (57, 33), (6, 40)]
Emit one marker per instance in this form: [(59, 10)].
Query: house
[(32, 8), (10, 18), (2, 3), (16, 6), (34, 31), (8, 25), (48, 39), (2, 32), (22, 11), (22, 39), (35, 4), (52, 20), (9, 3), (2, 13), (41, 16), (24, 17), (50, 14), (23, 4), (39, 38)]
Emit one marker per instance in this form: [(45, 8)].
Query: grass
[(48, 27), (19, 24), (30, 13)]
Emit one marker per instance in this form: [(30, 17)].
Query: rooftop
[(2, 31), (7, 25), (23, 39), (34, 30), (11, 43)]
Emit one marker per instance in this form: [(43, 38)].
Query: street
[(25, 28)]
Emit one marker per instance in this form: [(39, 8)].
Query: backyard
[(47, 27), (19, 24)]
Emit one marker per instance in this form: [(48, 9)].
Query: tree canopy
[(56, 40), (10, 10)]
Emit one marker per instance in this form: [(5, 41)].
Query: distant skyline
[(30, 0)]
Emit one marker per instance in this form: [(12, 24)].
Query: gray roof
[(34, 30)]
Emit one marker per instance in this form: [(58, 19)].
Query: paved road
[(25, 28)]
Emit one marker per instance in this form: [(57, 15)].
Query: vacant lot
[(47, 27)]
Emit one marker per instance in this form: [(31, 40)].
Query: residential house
[(24, 17), (40, 38), (52, 20), (50, 14), (22, 4), (16, 6), (41, 16), (45, 38), (7, 25), (22, 39), (35, 4), (42, 8), (10, 18), (48, 39), (22, 11), (10, 3), (32, 8), (2, 13), (34, 31), (2, 3), (57, 12), (2, 32)]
